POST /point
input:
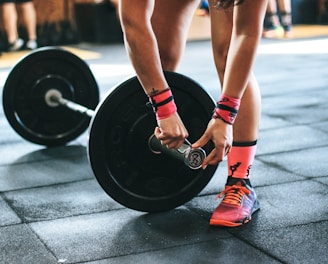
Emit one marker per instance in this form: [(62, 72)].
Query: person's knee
[(169, 58), (220, 52)]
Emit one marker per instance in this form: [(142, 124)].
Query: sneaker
[(237, 206), (31, 44), (274, 32), (17, 45)]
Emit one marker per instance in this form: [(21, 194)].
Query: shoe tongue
[(236, 181)]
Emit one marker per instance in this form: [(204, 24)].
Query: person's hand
[(171, 131), (221, 135)]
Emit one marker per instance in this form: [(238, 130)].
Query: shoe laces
[(234, 194)]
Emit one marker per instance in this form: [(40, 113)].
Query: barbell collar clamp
[(54, 98)]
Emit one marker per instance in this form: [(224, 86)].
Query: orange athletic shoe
[(237, 206)]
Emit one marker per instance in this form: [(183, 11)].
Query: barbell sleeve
[(192, 157)]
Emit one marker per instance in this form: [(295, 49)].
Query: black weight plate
[(121, 159), (24, 96)]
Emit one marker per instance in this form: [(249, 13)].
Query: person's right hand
[(171, 131)]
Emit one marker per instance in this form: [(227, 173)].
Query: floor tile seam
[(21, 221), (263, 130), (180, 246), (294, 93), (323, 221), (292, 124), (253, 245), (41, 240), (38, 160), (14, 209), (98, 212), (255, 186), (49, 185), (301, 178), (11, 225), (277, 166), (315, 179), (258, 156), (55, 219), (288, 93), (316, 127), (10, 142), (276, 228), (195, 212), (73, 216)]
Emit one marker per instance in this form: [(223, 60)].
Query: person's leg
[(141, 43), (272, 12), (29, 19), (286, 17), (9, 15), (171, 30), (273, 26), (245, 128), (247, 121), (155, 36)]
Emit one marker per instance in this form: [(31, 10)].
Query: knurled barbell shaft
[(76, 107)]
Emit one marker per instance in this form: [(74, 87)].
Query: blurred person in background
[(278, 26), (10, 19)]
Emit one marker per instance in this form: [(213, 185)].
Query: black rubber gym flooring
[(54, 211)]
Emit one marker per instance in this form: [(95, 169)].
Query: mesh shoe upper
[(237, 206)]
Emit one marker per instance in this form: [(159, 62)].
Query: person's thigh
[(171, 20)]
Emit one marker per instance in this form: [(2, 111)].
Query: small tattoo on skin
[(153, 91)]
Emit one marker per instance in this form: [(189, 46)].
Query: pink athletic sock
[(240, 159)]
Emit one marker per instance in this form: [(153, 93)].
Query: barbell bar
[(191, 157)]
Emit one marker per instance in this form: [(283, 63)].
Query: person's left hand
[(221, 135)]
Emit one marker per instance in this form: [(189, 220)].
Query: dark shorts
[(15, 1)]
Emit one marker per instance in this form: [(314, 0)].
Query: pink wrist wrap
[(163, 104), (226, 109)]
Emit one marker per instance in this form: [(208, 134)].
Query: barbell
[(50, 97)]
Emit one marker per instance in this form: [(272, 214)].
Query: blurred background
[(61, 22)]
